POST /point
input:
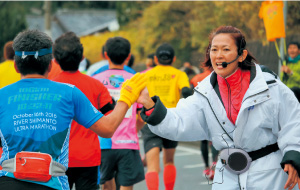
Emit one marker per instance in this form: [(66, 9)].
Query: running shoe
[(212, 171), (211, 175), (206, 172)]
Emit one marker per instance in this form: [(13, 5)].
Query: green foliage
[(12, 21), (166, 22), (129, 11), (293, 17), (186, 25)]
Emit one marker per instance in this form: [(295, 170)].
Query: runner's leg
[(169, 168), (152, 179)]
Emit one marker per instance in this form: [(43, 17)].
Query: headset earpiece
[(240, 52)]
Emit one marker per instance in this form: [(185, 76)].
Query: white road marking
[(187, 149), (194, 166)]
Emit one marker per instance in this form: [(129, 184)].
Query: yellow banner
[(272, 14)]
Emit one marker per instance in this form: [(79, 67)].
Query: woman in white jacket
[(248, 114)]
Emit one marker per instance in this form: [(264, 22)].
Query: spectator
[(291, 71), (84, 158), (249, 115)]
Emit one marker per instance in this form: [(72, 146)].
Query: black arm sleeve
[(186, 92), (158, 114), (291, 157), (107, 107)]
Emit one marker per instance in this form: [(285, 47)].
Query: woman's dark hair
[(240, 42)]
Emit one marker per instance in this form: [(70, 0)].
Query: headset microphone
[(224, 64)]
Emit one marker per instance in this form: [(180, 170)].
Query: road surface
[(189, 165)]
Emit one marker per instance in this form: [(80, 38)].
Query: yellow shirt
[(166, 82), (8, 74)]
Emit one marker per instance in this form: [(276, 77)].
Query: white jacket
[(269, 113)]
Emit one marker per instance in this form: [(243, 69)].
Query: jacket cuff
[(291, 157), (158, 114)]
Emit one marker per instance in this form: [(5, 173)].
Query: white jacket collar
[(257, 85)]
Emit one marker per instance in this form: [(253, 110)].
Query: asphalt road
[(189, 165)]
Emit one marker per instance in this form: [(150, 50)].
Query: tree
[(130, 11), (293, 17), (186, 25), (12, 21)]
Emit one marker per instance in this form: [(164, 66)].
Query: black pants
[(8, 183), (85, 178)]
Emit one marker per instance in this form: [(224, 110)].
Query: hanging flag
[(272, 14)]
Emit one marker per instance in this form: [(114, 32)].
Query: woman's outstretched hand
[(145, 99), (293, 178)]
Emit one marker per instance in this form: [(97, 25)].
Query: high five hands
[(132, 88)]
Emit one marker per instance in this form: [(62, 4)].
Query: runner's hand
[(131, 88), (293, 178)]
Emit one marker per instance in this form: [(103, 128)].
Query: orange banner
[(272, 14)]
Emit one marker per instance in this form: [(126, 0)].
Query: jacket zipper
[(215, 115), (34, 158)]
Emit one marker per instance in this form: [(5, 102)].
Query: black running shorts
[(125, 165), (151, 140)]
